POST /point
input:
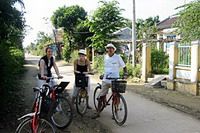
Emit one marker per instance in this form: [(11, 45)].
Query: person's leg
[(74, 94), (101, 98), (88, 91)]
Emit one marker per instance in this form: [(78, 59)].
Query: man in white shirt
[(112, 65)]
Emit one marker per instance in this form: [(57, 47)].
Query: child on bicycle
[(112, 65), (81, 65)]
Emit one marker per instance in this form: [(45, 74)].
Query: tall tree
[(69, 18), (11, 36), (188, 23), (82, 35), (105, 20), (146, 27)]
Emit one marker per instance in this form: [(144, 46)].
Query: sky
[(37, 10)]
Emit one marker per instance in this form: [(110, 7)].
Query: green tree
[(105, 20), (188, 23), (128, 23), (42, 41), (69, 18), (82, 35), (11, 50), (147, 27)]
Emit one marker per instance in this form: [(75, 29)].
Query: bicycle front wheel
[(62, 114), (119, 109), (97, 100), (43, 126), (82, 101)]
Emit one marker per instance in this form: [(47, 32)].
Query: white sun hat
[(82, 51), (110, 45)]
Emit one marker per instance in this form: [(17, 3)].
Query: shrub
[(132, 71), (159, 62), (66, 53), (74, 55), (16, 59), (12, 60), (99, 63)]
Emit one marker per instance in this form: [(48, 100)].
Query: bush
[(159, 62), (66, 53), (99, 63), (12, 60), (132, 71), (124, 57), (17, 59), (74, 55)]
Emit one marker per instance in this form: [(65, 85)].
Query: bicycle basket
[(119, 86), (81, 81)]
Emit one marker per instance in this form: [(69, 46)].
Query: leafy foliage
[(43, 40), (70, 18), (188, 23), (99, 63), (146, 28), (105, 20), (82, 35), (11, 36), (159, 62)]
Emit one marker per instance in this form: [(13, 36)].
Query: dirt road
[(80, 124)]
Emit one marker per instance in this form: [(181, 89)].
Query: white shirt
[(112, 66)]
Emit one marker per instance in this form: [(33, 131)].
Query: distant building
[(166, 31), (123, 38)]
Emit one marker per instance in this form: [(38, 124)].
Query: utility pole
[(133, 46)]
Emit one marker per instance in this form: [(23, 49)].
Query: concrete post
[(173, 60), (195, 61), (146, 61)]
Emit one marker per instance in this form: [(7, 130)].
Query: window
[(184, 55)]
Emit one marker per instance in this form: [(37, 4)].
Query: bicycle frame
[(114, 97), (37, 108)]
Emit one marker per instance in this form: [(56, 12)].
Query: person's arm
[(42, 65), (125, 72), (75, 66), (123, 65)]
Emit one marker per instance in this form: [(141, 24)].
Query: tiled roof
[(167, 23), (123, 34)]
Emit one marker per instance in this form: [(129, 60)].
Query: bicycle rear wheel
[(82, 101), (62, 114), (119, 109), (43, 126)]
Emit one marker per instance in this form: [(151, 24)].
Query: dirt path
[(80, 124)]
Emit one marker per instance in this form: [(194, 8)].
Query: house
[(184, 61), (166, 31), (124, 38)]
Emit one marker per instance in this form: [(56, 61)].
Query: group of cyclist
[(112, 65)]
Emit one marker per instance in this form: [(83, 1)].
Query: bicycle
[(81, 80), (58, 107), (33, 122), (118, 102)]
